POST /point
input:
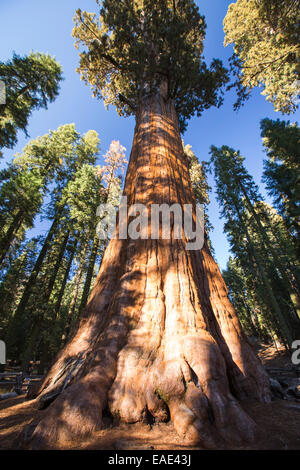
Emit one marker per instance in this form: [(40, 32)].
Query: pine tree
[(241, 206), (281, 170), (31, 82), (76, 150), (265, 35), (43, 161)]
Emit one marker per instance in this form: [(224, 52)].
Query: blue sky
[(46, 26)]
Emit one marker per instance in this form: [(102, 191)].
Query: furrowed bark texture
[(159, 336)]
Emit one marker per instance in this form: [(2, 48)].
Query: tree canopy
[(258, 237), (31, 82), (266, 39), (133, 46), (281, 169)]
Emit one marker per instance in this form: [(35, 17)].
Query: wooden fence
[(19, 381)]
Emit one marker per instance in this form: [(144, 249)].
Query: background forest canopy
[(50, 190)]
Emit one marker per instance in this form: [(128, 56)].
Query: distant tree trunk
[(36, 328), (9, 236), (159, 336), (252, 325), (57, 265), (89, 275), (77, 283), (65, 279), (72, 306), (16, 333), (261, 332), (293, 294)]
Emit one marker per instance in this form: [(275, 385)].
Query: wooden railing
[(19, 381)]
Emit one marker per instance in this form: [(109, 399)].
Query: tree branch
[(97, 42), (127, 101), (110, 59)]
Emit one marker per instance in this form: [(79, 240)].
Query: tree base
[(179, 386)]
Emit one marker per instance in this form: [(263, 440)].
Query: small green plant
[(162, 395)]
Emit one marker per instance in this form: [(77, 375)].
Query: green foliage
[(282, 169), (244, 296), (46, 291), (31, 82), (20, 192), (198, 177), (83, 195), (261, 244), (52, 158), (201, 188), (266, 38), (131, 47)]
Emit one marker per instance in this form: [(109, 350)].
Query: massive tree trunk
[(159, 338)]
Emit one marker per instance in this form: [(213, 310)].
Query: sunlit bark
[(159, 337)]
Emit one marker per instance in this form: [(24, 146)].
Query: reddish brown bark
[(159, 335)]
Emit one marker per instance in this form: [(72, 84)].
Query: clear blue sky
[(46, 26)]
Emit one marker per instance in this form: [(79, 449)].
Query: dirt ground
[(278, 422)]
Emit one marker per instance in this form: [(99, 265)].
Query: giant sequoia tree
[(159, 337)]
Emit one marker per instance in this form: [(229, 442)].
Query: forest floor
[(278, 422)]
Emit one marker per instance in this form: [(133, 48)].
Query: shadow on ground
[(278, 423)]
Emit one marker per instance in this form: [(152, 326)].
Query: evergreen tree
[(48, 159), (266, 38), (31, 82), (199, 182), (282, 169), (241, 206), (77, 150)]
